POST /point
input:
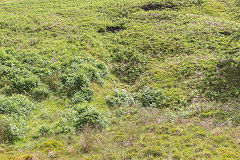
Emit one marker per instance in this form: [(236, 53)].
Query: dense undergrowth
[(114, 79)]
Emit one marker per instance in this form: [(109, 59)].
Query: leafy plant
[(17, 104), (6, 135), (85, 94), (87, 115), (128, 64), (40, 93), (12, 128), (150, 97), (45, 130), (119, 98)]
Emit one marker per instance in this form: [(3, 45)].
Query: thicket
[(36, 76), (28, 76), (148, 97), (75, 119)]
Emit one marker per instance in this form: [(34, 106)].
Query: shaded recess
[(112, 28), (157, 6)]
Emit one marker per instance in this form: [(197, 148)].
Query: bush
[(24, 72), (120, 98), (85, 94), (6, 135), (12, 128), (73, 82), (152, 98), (25, 83), (16, 104), (40, 93), (154, 151), (76, 118), (129, 64), (45, 130), (88, 116)]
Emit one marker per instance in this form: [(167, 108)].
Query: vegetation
[(117, 79)]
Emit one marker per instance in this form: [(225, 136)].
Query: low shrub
[(73, 82), (66, 123), (16, 104), (75, 119), (25, 83), (12, 128), (26, 73), (40, 93), (128, 64), (119, 98), (150, 97), (88, 116), (85, 94), (6, 135), (45, 130)]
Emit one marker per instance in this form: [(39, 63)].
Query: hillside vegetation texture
[(119, 79)]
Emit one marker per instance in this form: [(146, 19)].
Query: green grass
[(174, 63)]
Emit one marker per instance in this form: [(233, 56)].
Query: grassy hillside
[(119, 79)]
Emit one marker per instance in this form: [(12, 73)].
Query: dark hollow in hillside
[(226, 33), (113, 28), (157, 6)]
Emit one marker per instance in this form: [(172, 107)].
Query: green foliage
[(28, 72), (5, 132), (40, 93), (236, 37), (153, 151), (78, 117), (222, 83), (17, 104), (12, 128), (84, 95), (178, 47), (120, 98), (128, 64), (150, 97), (88, 116), (45, 130), (73, 82), (51, 145)]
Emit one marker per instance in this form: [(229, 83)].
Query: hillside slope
[(119, 79)]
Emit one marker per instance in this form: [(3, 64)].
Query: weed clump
[(150, 97), (85, 95), (119, 98), (6, 135), (154, 151), (40, 93), (128, 64), (16, 104), (12, 128), (77, 118), (51, 145), (87, 115)]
